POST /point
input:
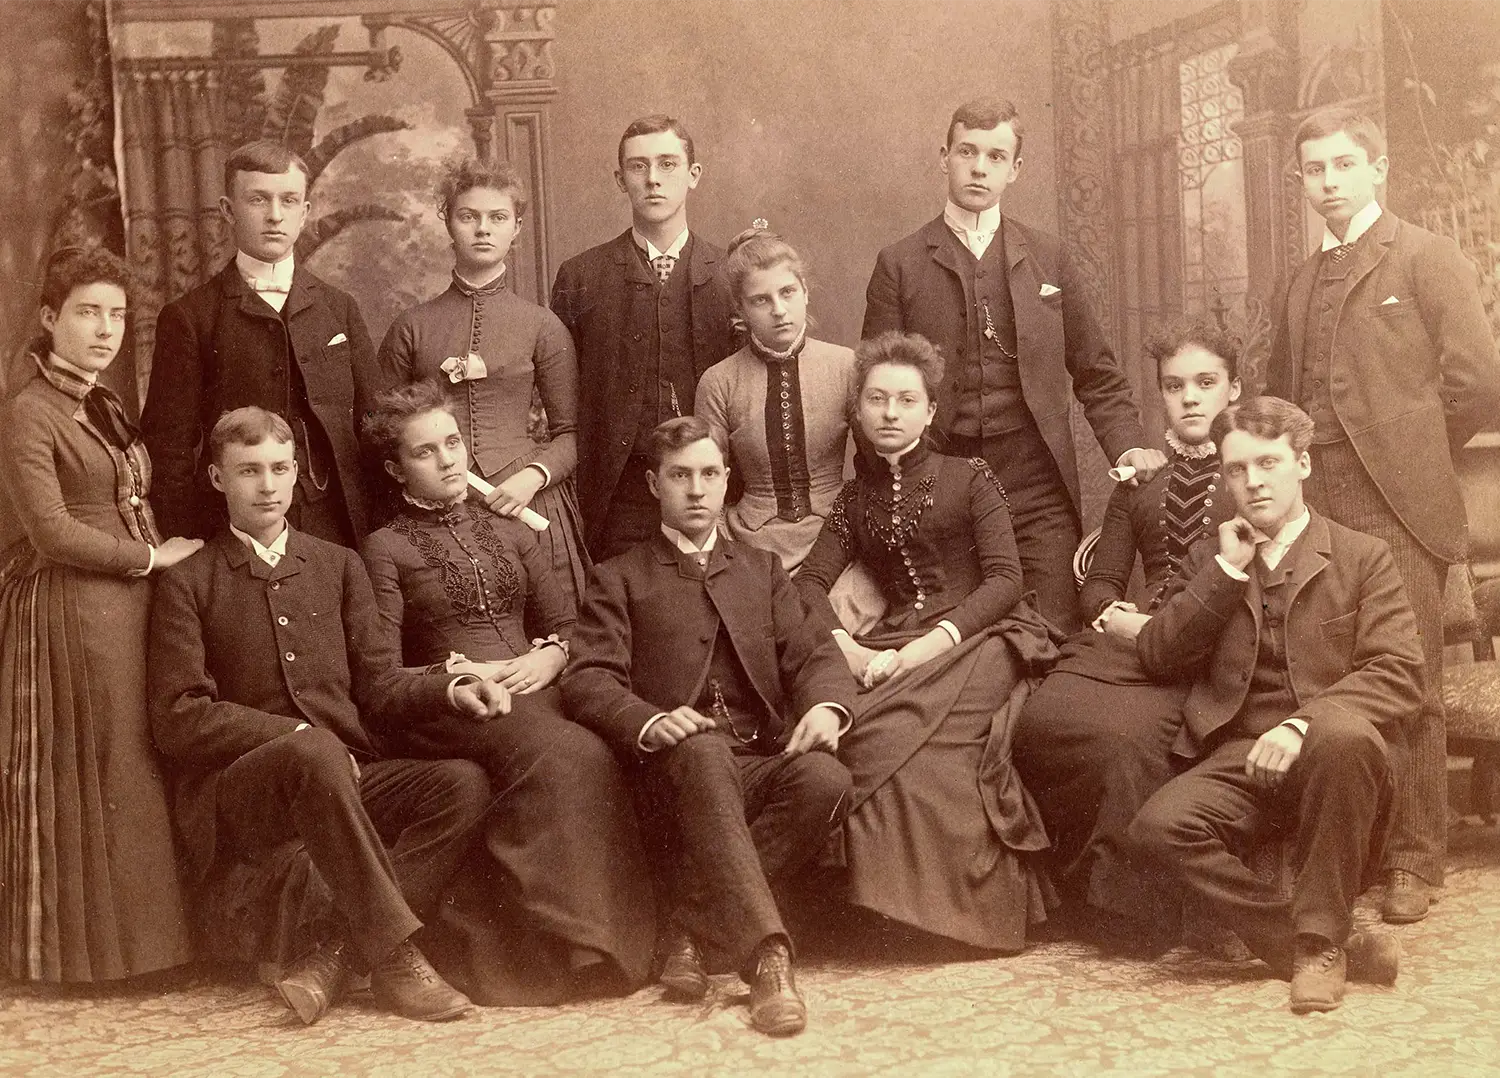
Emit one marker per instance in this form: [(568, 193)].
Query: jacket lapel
[(1298, 299), (242, 295), (632, 266), (939, 245), (303, 295)]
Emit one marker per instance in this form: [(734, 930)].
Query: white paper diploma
[(529, 517)]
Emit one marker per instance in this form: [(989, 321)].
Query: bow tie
[(258, 285)]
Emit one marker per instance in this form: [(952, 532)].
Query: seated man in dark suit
[(1302, 649), (695, 656), (267, 656)]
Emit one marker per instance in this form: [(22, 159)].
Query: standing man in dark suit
[(1302, 651), (1385, 343), (262, 331), (267, 658), (1003, 304), (649, 312), (695, 657)]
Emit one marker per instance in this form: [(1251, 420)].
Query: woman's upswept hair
[(902, 349), (759, 249), (470, 172), (1203, 332), (394, 409), (74, 267)]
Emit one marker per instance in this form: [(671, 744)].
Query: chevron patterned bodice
[(1187, 511)]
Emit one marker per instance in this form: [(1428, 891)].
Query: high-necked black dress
[(563, 829), (941, 834), (1094, 741)]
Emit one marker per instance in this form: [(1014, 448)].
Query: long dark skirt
[(1094, 741), (942, 835)]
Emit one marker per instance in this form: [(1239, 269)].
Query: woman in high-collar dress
[(941, 834), (473, 591), (493, 351), (1094, 741), (89, 889)]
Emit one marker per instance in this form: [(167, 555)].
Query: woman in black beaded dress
[(941, 834), (473, 591), (1094, 740)]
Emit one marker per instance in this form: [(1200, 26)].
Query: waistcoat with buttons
[(1335, 279), (724, 670), (989, 398), (662, 315), (1270, 699)]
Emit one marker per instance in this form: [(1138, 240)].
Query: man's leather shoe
[(682, 972), (406, 983), (316, 982), (1406, 898), (1373, 957), (776, 1007), (1318, 975)]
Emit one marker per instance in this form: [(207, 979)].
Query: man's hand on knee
[(674, 727), (1272, 755), (818, 729)]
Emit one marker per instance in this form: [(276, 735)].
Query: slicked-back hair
[(1359, 127), (262, 155), (394, 409), (466, 175), (985, 114), (1265, 417), (1203, 332), (903, 350), (680, 432), (249, 425), (759, 249), (655, 124)]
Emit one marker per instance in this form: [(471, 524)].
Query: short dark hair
[(262, 155), (1265, 417), (384, 425), (469, 173), (75, 267), (1359, 127), (759, 249), (1205, 333), (681, 432), (655, 124), (249, 425), (984, 114), (904, 350)]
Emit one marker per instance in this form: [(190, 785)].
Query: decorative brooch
[(464, 368), (760, 223)]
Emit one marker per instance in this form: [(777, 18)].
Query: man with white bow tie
[(262, 331), (1010, 315)]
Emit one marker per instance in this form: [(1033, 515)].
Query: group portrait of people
[(336, 659)]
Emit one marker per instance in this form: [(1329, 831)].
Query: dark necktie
[(1341, 252)]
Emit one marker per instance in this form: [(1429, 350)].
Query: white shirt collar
[(278, 273), (684, 544), (91, 377), (269, 554), (1273, 548), (674, 248), (1359, 224), (962, 220), (894, 458)]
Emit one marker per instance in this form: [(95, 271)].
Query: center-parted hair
[(655, 124), (985, 114), (681, 432), (904, 350), (466, 175), (1204, 333), (759, 249), (249, 425), (383, 427), (1265, 417), (263, 155)]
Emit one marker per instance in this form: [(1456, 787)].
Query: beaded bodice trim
[(485, 585)]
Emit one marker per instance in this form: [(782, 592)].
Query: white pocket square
[(1049, 290), (1388, 301), (340, 339)]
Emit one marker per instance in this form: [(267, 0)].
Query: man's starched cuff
[(462, 679), (640, 738), (1234, 574), (845, 723), (1300, 725)]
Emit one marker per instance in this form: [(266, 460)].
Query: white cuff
[(952, 631), (842, 710), (462, 679), (150, 563), (1119, 462), (640, 738), (1234, 574), (1300, 725), (1101, 623), (546, 475)]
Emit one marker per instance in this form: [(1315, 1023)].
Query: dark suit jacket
[(592, 295), (917, 288), (1412, 380), (1351, 636), (219, 347), (242, 653), (643, 641)]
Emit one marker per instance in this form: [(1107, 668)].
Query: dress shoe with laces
[(1373, 957), (315, 982), (682, 971), (776, 1007), (1319, 972), (405, 983), (1406, 898)]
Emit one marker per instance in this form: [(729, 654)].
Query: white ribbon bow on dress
[(464, 368)]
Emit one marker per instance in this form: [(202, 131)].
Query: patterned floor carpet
[(1057, 1009)]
